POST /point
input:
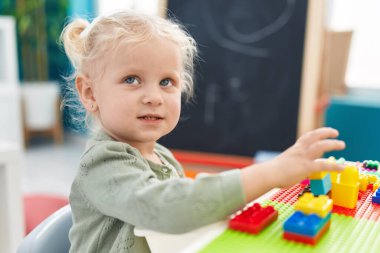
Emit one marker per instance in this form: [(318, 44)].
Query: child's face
[(139, 95)]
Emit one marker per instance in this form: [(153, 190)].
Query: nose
[(152, 95)]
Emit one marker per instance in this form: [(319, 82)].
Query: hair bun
[(74, 41)]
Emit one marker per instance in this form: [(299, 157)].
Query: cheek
[(110, 105), (176, 108), (178, 111)]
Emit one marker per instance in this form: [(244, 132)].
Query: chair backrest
[(52, 235)]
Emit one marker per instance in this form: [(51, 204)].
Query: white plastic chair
[(52, 235)]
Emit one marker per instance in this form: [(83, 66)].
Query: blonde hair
[(85, 43)]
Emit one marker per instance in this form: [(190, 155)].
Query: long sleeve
[(120, 183)]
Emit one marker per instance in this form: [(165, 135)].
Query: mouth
[(150, 117)]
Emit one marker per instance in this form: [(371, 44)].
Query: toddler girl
[(132, 70)]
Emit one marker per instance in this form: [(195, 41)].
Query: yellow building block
[(345, 190), (309, 204), (334, 176), (372, 178), (350, 175), (376, 186), (363, 182)]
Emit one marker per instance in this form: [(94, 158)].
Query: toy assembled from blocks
[(313, 214), (131, 72), (345, 186)]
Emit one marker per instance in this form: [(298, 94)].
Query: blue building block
[(321, 186), (305, 224), (376, 197)]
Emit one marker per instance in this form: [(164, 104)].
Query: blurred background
[(270, 71)]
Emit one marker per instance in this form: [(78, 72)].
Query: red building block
[(253, 219), (307, 239)]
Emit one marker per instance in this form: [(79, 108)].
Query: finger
[(318, 148), (325, 165), (318, 134)]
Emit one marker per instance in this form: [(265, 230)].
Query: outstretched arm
[(293, 165)]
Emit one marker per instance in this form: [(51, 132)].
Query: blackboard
[(248, 79)]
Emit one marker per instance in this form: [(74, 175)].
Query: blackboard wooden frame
[(312, 67)]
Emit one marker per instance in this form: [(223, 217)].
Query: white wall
[(8, 53), (363, 17), (108, 6), (10, 101)]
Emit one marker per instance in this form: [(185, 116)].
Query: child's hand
[(299, 161)]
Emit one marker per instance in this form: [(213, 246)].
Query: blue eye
[(130, 80), (166, 82)]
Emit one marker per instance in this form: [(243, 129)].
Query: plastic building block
[(304, 190), (349, 175), (344, 192), (334, 176), (376, 197), (358, 232), (341, 160), (345, 195), (305, 224), (375, 186), (321, 186), (253, 219), (364, 208), (363, 182), (318, 175), (307, 239), (372, 178), (371, 165), (308, 204), (305, 182)]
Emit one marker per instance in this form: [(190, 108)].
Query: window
[(363, 70)]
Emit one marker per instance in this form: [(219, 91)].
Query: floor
[(50, 168)]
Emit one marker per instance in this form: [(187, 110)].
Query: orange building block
[(318, 175)]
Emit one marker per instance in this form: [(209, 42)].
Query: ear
[(86, 92)]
